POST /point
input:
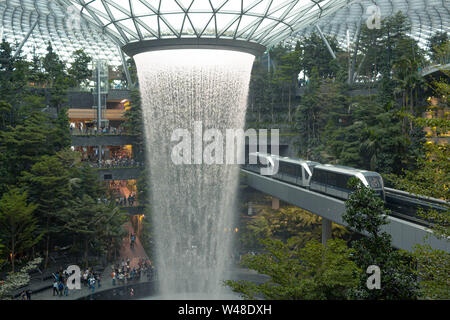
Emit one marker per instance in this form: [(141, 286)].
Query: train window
[(288, 168), (332, 178), (342, 181), (374, 182), (320, 176)]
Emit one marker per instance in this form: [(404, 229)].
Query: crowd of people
[(124, 201), (119, 162), (129, 201), (25, 295), (60, 287), (90, 278), (122, 273), (80, 129)]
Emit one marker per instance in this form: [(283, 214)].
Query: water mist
[(193, 205)]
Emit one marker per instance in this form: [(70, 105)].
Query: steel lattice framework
[(262, 21), (59, 24), (99, 26), (426, 16)]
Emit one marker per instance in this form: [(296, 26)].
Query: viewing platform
[(102, 139)]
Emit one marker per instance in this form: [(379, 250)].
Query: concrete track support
[(275, 203), (326, 230)]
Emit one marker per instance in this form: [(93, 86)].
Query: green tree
[(287, 76), (22, 146), (434, 43), (36, 73), (365, 213), (286, 224), (431, 178), (17, 223), (56, 77), (257, 91), (47, 184), (313, 272), (90, 220), (14, 78), (79, 70), (315, 55), (2, 248), (135, 125)]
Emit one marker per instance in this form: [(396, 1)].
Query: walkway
[(133, 254)]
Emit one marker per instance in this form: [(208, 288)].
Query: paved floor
[(133, 254)]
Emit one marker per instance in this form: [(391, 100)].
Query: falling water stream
[(193, 205)]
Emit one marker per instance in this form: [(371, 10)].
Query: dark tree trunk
[(86, 255)]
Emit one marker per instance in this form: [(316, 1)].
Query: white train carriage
[(332, 180), (295, 171)]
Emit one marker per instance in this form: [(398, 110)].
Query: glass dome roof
[(58, 23), (262, 21), (100, 26), (426, 17)]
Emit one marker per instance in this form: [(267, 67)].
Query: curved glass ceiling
[(426, 16), (99, 26), (263, 21), (60, 23)]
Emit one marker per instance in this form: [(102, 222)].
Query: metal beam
[(326, 42), (26, 38), (125, 68), (253, 48)]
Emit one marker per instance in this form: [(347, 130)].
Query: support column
[(275, 203), (326, 230), (250, 209), (125, 69), (25, 39), (326, 41)]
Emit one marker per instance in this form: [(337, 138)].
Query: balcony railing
[(116, 164), (95, 132)]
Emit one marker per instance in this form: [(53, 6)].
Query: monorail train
[(327, 179)]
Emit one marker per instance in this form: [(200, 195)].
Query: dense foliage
[(364, 109), (48, 199), (365, 213), (314, 271)]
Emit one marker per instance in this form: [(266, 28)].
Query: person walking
[(132, 240), (60, 288), (55, 287), (66, 288), (92, 284)]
